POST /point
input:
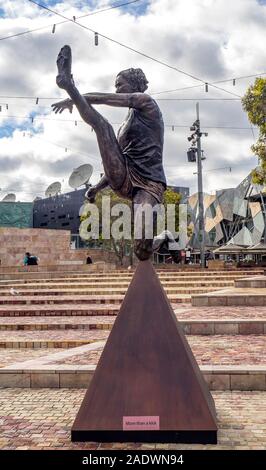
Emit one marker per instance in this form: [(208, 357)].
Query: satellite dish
[(53, 189), (11, 197), (80, 175)]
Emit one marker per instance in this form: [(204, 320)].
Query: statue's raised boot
[(64, 78)]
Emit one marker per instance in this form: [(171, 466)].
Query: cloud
[(61, 166), (8, 164), (199, 37)]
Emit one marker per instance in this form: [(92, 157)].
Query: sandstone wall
[(51, 246)]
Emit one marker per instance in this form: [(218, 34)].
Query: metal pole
[(200, 193)]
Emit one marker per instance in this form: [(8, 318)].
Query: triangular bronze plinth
[(147, 386)]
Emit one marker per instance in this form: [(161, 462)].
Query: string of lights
[(167, 125), (40, 188), (36, 99), (78, 121), (233, 80), (206, 84), (97, 34), (53, 25), (229, 168), (66, 148), (74, 19), (172, 126)]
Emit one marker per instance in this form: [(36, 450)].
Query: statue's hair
[(136, 78)]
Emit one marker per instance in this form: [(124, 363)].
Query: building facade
[(234, 215), (184, 191), (59, 212)]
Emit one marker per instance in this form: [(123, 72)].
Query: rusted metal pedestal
[(147, 386)]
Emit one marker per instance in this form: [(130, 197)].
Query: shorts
[(134, 181)]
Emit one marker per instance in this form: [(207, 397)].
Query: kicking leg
[(143, 247), (112, 157)]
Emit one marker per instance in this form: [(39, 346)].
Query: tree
[(121, 246), (254, 103), (171, 197)]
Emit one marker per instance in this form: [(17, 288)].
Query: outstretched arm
[(124, 100), (127, 100)]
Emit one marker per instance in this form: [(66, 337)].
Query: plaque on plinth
[(147, 386)]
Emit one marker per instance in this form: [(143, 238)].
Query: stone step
[(76, 299), (239, 326), (242, 378), (231, 297), (255, 282), (65, 266), (99, 291), (183, 311), (82, 285), (211, 349), (220, 361), (61, 275), (108, 282), (125, 277), (57, 323), (70, 310), (50, 339), (13, 355)]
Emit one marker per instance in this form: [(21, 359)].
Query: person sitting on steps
[(30, 260)]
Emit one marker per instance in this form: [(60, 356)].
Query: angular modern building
[(234, 215)]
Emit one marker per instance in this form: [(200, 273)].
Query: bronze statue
[(132, 161)]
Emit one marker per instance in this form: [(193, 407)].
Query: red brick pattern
[(11, 355), (42, 419), (32, 328), (215, 350)]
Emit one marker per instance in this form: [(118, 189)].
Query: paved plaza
[(42, 419), (52, 334), (132, 228)]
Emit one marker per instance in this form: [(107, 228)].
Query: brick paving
[(38, 322), (123, 275), (77, 299), (58, 309), (9, 356), (42, 419), (73, 283), (102, 291), (219, 313), (215, 350), (183, 312), (53, 335), (233, 350)]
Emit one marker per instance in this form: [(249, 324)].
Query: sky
[(197, 41)]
